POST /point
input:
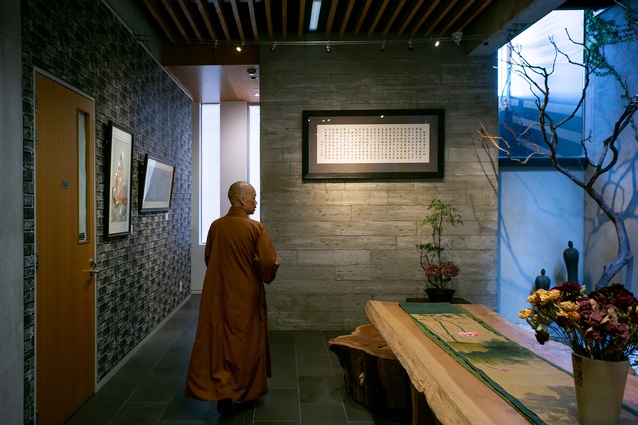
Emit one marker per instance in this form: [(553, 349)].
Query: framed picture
[(157, 189), (118, 197), (373, 145)]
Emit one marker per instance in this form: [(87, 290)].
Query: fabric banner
[(539, 390)]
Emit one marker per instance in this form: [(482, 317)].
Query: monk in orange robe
[(230, 360)]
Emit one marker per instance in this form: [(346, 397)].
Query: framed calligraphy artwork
[(373, 145)]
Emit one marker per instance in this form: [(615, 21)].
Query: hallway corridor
[(307, 386)]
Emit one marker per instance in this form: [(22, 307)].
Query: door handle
[(94, 270)]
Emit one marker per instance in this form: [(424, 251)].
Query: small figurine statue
[(570, 255), (542, 281)]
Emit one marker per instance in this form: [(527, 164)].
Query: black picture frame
[(117, 200), (157, 184), (377, 134)]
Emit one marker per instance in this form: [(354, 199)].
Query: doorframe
[(67, 85)]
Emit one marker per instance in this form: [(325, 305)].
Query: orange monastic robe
[(231, 353)]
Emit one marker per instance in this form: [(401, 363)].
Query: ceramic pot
[(600, 387), (436, 295)]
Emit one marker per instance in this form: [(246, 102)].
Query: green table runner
[(538, 389)]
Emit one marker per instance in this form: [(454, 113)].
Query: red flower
[(449, 269)]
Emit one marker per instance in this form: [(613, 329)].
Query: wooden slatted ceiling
[(205, 21)]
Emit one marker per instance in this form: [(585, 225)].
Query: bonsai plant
[(437, 271)]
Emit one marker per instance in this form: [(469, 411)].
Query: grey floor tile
[(320, 389), (175, 360), (284, 376), (311, 345), (322, 414), (78, 421), (241, 414), (314, 365), (102, 406), (157, 386), (185, 408), (139, 414), (278, 405), (285, 354), (307, 386), (278, 338), (236, 417)]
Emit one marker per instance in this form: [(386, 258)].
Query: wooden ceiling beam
[(269, 19), (393, 18), (253, 20), (284, 18), (440, 17), (411, 15), (346, 18), (176, 21), (240, 29), (425, 16), (456, 16), (378, 17), (204, 12), (160, 20), (302, 17), (222, 19), (475, 13), (190, 20), (362, 18), (331, 17)]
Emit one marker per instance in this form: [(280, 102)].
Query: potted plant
[(437, 271)]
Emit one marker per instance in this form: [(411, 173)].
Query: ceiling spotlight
[(410, 45), (436, 43), (382, 49), (274, 46), (252, 74), (485, 42), (240, 47), (328, 49), (457, 37)]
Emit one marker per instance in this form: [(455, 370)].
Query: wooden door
[(65, 245)]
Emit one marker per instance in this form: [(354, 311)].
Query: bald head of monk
[(242, 194)]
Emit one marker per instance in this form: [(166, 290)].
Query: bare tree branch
[(537, 78)]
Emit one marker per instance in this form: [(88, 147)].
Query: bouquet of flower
[(602, 325)]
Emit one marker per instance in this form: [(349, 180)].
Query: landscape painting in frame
[(158, 185)]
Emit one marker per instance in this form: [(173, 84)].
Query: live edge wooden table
[(445, 392)]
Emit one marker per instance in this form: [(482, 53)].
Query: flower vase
[(600, 387), (443, 295)]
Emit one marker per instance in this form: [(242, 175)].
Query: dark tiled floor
[(307, 386)]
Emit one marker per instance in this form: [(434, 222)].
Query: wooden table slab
[(452, 393)]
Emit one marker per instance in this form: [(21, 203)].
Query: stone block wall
[(342, 244), (83, 44)]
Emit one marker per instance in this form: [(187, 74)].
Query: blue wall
[(540, 210)]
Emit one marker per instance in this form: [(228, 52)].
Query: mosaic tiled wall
[(83, 44)]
